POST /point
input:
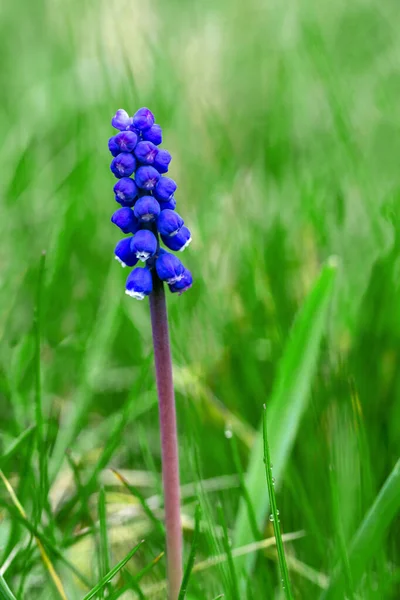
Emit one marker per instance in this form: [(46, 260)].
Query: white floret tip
[(143, 256), (137, 295), (185, 245), (121, 262)]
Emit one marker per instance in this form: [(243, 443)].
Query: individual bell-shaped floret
[(171, 204), (125, 140), (143, 119), (147, 209), (113, 146), (146, 152), (178, 242), (183, 284), (125, 219), (164, 189), (169, 268), (146, 178), (144, 244), (162, 160), (121, 120), (126, 191), (124, 254), (123, 165), (154, 134), (169, 222), (139, 283)]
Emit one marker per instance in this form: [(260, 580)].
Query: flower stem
[(169, 442)]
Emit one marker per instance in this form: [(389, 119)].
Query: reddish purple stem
[(169, 440)]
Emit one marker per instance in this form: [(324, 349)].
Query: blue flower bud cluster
[(148, 203)]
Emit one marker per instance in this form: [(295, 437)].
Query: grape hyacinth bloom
[(147, 209), (148, 215), (165, 189), (139, 283), (147, 178), (146, 152), (162, 160), (126, 191), (144, 244), (169, 222), (124, 254), (125, 219), (178, 242), (123, 165), (154, 134)]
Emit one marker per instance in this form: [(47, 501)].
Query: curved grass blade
[(143, 502), (104, 546), (16, 445), (369, 535), (5, 592), (137, 578), (275, 514), (46, 560), (40, 433), (288, 402), (103, 582), (228, 551), (192, 555)]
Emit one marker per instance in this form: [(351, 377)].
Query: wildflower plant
[(147, 216)]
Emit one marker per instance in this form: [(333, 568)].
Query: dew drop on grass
[(228, 434), (271, 517)]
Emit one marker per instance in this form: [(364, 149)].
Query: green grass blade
[(244, 490), (370, 534), (16, 445), (228, 551), (143, 502), (103, 582), (40, 433), (274, 513), (96, 350), (104, 548), (5, 592), (288, 402), (192, 555), (17, 517)]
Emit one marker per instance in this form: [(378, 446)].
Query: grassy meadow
[(283, 119)]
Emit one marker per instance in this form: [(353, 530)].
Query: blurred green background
[(283, 122)]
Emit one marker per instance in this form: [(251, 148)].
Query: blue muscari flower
[(144, 244), (183, 284), (154, 134), (123, 165), (148, 203), (113, 146), (121, 120), (169, 222), (169, 268), (125, 219), (125, 140), (171, 203), (139, 283), (126, 191), (143, 119), (124, 254), (147, 209), (162, 160), (146, 152), (178, 242), (164, 189), (147, 178)]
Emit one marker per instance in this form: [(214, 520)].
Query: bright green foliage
[(283, 119)]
